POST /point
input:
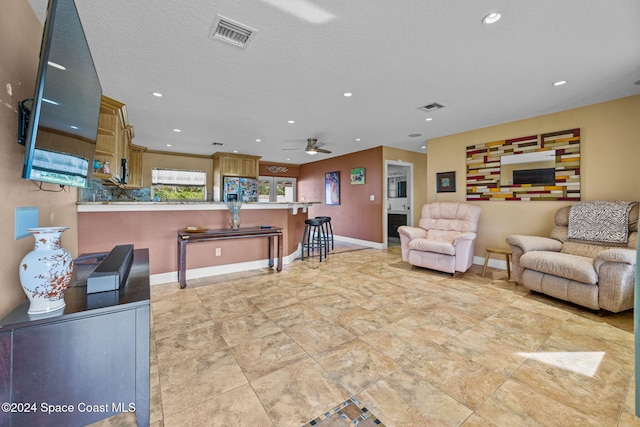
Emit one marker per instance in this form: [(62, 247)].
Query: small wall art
[(446, 182), (357, 176), (332, 188)]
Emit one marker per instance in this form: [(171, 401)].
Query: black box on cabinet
[(112, 272)]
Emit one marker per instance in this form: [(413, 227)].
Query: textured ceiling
[(393, 56)]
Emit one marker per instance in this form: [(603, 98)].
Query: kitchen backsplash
[(103, 193)]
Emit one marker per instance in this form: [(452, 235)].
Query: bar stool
[(328, 229), (314, 238)]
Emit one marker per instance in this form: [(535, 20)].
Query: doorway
[(398, 199)]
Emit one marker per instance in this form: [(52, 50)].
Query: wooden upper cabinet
[(115, 142), (231, 164), (135, 166), (114, 137)]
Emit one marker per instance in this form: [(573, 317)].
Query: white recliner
[(444, 239)]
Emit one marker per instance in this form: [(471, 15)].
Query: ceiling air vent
[(218, 144), (431, 107), (231, 31)]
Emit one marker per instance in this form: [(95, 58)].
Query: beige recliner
[(445, 238), (592, 273)]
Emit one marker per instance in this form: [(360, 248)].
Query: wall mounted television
[(59, 126), (543, 176)]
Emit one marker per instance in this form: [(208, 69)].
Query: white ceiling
[(394, 56)]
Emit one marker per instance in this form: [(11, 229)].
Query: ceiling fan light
[(492, 18), (312, 151)]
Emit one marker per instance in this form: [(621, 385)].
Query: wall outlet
[(218, 251)]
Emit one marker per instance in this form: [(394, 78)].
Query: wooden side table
[(505, 252)]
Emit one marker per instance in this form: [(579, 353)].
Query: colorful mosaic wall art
[(560, 181)]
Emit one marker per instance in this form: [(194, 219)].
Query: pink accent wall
[(356, 216), (157, 230)]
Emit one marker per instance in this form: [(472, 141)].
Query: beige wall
[(419, 161), (20, 35), (610, 168)]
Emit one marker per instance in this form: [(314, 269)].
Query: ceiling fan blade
[(291, 149), (320, 150)]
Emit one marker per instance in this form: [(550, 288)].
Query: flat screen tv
[(544, 176), (59, 126)]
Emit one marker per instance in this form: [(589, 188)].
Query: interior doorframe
[(385, 197)]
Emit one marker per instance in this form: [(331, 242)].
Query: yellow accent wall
[(609, 165)]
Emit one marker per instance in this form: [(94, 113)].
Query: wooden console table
[(185, 237)]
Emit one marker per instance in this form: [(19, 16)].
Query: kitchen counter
[(185, 206)]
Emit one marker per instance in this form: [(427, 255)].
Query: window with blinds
[(178, 185)]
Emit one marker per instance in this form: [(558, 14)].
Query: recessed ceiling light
[(357, 139), (423, 147), (235, 151), (258, 140), (168, 145), (560, 83), (288, 159), (291, 122), (428, 119), (492, 18), (177, 130), (73, 127), (158, 94), (347, 94)]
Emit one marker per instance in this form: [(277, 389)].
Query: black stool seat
[(314, 237), (328, 229)]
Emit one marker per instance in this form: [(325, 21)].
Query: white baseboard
[(196, 273), (495, 263), (374, 245)]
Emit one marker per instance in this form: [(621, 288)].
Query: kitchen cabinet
[(135, 166), (240, 165), (114, 137), (395, 221), (82, 365), (231, 164)]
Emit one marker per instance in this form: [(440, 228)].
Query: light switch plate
[(26, 217), (372, 197)]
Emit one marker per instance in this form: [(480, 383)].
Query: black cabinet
[(84, 365), (395, 221)]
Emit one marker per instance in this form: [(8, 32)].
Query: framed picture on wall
[(446, 182), (357, 176), (332, 188)]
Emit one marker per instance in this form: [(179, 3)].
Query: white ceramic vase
[(45, 272)]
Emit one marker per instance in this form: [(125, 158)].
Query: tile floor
[(416, 347)]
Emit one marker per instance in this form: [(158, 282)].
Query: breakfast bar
[(102, 226)]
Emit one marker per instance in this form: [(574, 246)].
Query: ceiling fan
[(313, 147)]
